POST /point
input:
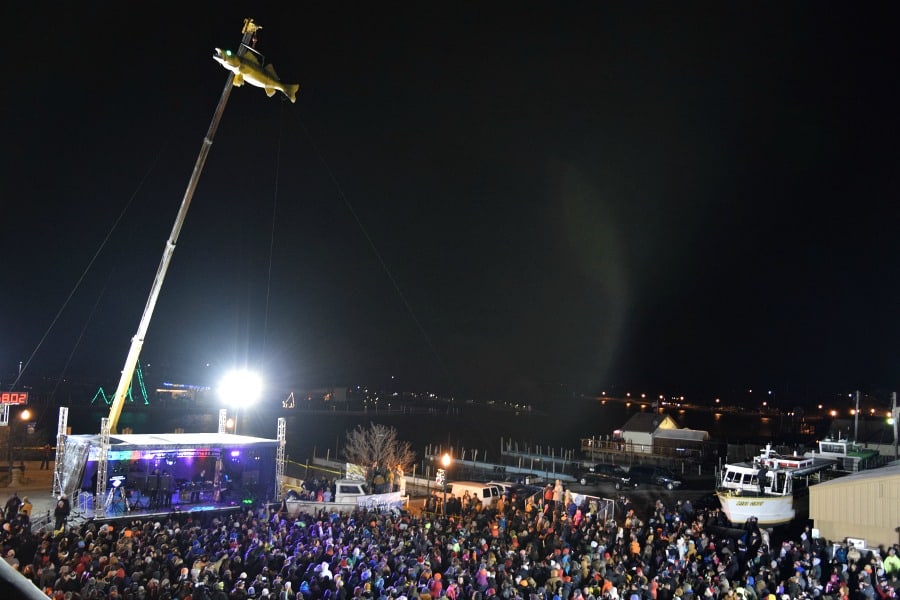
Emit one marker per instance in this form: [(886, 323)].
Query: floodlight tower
[(240, 388)]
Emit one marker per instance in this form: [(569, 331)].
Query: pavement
[(37, 484)]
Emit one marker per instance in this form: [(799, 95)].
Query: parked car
[(511, 487), (653, 475), (605, 473), (531, 479)]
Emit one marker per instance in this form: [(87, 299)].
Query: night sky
[(494, 200)]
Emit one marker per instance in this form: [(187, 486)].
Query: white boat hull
[(768, 510)]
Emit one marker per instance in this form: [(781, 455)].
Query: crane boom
[(137, 342)]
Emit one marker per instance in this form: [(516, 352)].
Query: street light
[(240, 388), (12, 432), (445, 461)]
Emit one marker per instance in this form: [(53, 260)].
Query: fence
[(41, 523), (625, 452)]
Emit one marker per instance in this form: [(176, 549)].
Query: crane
[(248, 42), (110, 424)]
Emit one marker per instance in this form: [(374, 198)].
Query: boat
[(848, 455), (772, 503)]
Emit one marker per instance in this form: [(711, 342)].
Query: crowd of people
[(554, 546)]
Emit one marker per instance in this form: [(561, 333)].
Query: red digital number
[(13, 397)]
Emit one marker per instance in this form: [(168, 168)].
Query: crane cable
[(84, 273), (372, 246), (272, 233)]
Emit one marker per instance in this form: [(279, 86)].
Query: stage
[(118, 512), (157, 475)]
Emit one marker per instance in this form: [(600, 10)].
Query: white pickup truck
[(349, 495)]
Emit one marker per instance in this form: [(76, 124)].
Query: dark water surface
[(470, 426)]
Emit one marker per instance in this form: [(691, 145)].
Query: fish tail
[(290, 91)]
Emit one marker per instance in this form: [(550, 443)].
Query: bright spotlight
[(241, 387)]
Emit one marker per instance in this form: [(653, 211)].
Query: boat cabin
[(782, 473), (848, 455), (744, 477)]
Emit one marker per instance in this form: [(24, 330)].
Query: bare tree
[(378, 450)]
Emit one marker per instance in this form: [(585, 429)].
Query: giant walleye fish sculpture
[(248, 68)]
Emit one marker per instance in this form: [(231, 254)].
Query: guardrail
[(41, 523)]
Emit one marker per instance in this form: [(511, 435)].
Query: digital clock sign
[(13, 397)]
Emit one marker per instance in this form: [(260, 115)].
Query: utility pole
[(856, 420), (895, 416)]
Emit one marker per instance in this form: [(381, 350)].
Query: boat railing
[(745, 481)]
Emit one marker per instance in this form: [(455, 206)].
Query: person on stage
[(198, 481)]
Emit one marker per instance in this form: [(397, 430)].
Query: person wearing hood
[(61, 512), (325, 571)]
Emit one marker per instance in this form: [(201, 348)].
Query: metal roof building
[(864, 505), (639, 430)]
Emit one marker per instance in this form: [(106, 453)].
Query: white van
[(506, 487), (485, 492)]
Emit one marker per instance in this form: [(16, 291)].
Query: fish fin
[(251, 57), (270, 91), (290, 90), (270, 69), (238, 80)]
